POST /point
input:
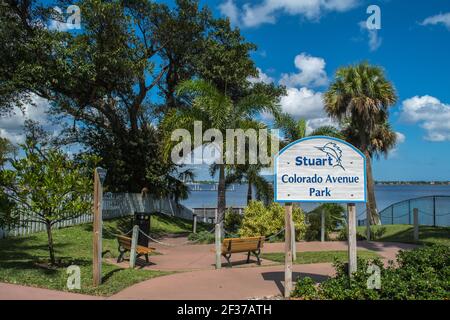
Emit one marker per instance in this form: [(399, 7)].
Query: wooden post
[(134, 239), (194, 225), (218, 245), (294, 243), (416, 224), (368, 225), (351, 212), (97, 234), (288, 250), (322, 226)]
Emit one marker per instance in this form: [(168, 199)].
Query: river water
[(385, 195)]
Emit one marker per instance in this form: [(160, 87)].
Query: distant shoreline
[(428, 183)]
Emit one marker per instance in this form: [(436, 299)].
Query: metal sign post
[(319, 169)]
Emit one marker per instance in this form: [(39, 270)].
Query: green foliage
[(305, 288), (405, 233), (202, 237), (47, 187), (6, 149), (307, 257), (233, 221), (334, 216), (22, 259), (418, 274), (376, 233), (261, 220)]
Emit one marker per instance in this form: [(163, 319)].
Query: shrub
[(343, 234), (421, 273), (261, 220), (204, 237), (334, 216), (305, 288), (233, 221)]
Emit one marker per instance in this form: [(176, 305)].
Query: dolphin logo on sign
[(333, 151)]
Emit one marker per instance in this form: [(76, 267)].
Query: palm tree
[(217, 111), (251, 174), (360, 97), (296, 129)]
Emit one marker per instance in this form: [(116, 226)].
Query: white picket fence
[(115, 205)]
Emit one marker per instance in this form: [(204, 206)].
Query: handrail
[(418, 198)]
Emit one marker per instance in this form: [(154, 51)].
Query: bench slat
[(125, 242), (234, 245)]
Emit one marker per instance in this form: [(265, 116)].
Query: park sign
[(320, 169)]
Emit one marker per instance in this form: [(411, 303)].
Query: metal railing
[(209, 214), (433, 211)]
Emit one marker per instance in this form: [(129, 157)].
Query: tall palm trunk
[(249, 192), (371, 204), (221, 189)]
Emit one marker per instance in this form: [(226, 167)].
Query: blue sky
[(301, 43), (413, 45)]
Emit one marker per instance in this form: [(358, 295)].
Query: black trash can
[(142, 220)]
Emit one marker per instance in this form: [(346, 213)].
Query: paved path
[(200, 257), (238, 282), (226, 284), (17, 292), (243, 281)]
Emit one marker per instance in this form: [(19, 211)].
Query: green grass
[(405, 233), (319, 256), (21, 258)]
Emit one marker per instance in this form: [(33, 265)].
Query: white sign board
[(320, 169)]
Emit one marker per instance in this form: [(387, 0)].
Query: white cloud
[(313, 124), (267, 11), (303, 103), (230, 10), (443, 18), (401, 138), (301, 100), (374, 38), (312, 72), (262, 77), (431, 114), (11, 127)]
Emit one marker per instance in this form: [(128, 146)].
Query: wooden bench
[(125, 245), (237, 245)]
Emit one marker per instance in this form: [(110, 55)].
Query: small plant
[(233, 221), (419, 274), (334, 216), (305, 289), (202, 237), (269, 220)]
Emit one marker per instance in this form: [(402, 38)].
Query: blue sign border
[(319, 201)]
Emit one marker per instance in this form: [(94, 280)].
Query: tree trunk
[(371, 204), (221, 189), (51, 249), (249, 193)]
